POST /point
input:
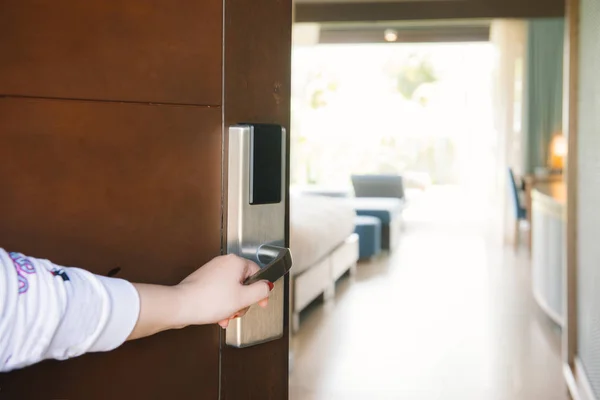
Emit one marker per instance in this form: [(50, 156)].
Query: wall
[(509, 38), (588, 230)]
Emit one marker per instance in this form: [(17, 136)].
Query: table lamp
[(558, 152)]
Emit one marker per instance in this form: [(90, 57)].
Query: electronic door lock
[(256, 221)]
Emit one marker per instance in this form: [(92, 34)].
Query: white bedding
[(318, 224)]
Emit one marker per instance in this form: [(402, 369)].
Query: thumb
[(254, 293)]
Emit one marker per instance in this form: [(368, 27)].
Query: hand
[(215, 293), (225, 322)]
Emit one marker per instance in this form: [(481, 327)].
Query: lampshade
[(558, 151)]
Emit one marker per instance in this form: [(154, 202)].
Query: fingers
[(256, 292), (240, 313), (250, 268), (225, 323)]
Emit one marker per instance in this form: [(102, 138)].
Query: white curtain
[(509, 38)]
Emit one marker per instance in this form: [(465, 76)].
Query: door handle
[(276, 262)]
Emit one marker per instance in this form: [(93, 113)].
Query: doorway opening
[(433, 297)]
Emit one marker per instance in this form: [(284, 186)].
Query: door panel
[(257, 78), (171, 365), (164, 51), (107, 185), (114, 183)]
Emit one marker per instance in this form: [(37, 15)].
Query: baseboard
[(571, 382), (578, 383)]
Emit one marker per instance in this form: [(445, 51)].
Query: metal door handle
[(277, 261)]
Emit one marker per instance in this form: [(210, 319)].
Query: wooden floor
[(448, 316)]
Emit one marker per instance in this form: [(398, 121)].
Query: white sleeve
[(53, 312)]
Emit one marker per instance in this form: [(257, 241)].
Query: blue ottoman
[(388, 211), (369, 233)]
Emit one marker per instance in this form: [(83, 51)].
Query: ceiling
[(404, 10), (366, 1)]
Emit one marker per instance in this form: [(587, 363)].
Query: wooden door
[(112, 120)]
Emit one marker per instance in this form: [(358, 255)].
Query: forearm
[(159, 310)]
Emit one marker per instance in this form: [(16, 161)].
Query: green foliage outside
[(412, 76)]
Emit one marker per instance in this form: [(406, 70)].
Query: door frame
[(257, 46), (575, 376)]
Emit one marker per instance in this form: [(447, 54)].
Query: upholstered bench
[(369, 233), (389, 212)]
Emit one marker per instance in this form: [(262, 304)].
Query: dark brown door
[(112, 119)]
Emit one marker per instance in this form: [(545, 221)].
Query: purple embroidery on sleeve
[(24, 267), (23, 283)]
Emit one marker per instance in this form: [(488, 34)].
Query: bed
[(324, 247)]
